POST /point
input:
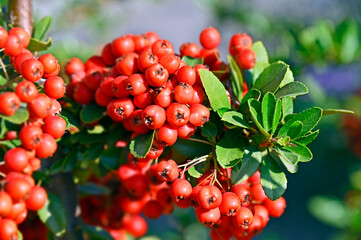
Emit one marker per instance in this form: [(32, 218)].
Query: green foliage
[(37, 46), (141, 144), (192, 61), (91, 113), (271, 77), (20, 116), (42, 28), (236, 78), (230, 149)]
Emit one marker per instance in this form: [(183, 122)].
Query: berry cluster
[(37, 135)]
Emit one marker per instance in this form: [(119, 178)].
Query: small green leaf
[(53, 215), (270, 79), (336, 111), (20, 236), (255, 109), (309, 117), (260, 51), (3, 80), (287, 107), (37, 46), (291, 89), (90, 188), (236, 78), (273, 179), (230, 148), (235, 118), (215, 90), (276, 116), (250, 162), (110, 158), (72, 118), (20, 116), (288, 78), (42, 28), (141, 144), (209, 131), (253, 93), (302, 152), (96, 232), (11, 143), (198, 170), (286, 158), (191, 149), (259, 67), (70, 161), (295, 129), (93, 152), (91, 113), (308, 138), (192, 61), (268, 110)]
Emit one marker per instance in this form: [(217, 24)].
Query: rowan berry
[(177, 114), (246, 58), (122, 45), (120, 109), (136, 84), (30, 136), (156, 75), (143, 100), (152, 209), (55, 126), (210, 38), (183, 93), (145, 60), (154, 116), (199, 114), (189, 49), (37, 198), (26, 91), (13, 46), (162, 47), (209, 197), (32, 70), (107, 55), (170, 62), (127, 64), (208, 217), (74, 65), (9, 103), (54, 87), (21, 34), (93, 79), (47, 146), (163, 96), (275, 208), (243, 218), (187, 75), (8, 229), (186, 131), (230, 204), (49, 62), (136, 122), (17, 188)]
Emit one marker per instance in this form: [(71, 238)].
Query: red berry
[(261, 212), (9, 103), (37, 198), (187, 75), (238, 42), (209, 197), (26, 91), (183, 93), (40, 106), (35, 163), (143, 100), (122, 45), (120, 109), (156, 75), (154, 117), (49, 62), (55, 126), (243, 218), (210, 56), (136, 122), (18, 188), (145, 60), (167, 134), (230, 204), (208, 217), (32, 70), (198, 95), (163, 96), (30, 136), (258, 192), (18, 212), (136, 185), (189, 49), (21, 34), (170, 62), (140, 42), (74, 65), (107, 54), (13, 46), (177, 114), (82, 94), (136, 84), (243, 191), (181, 189), (194, 196), (93, 79), (54, 87), (8, 230), (55, 108), (5, 204), (126, 171), (152, 209), (119, 87), (275, 208), (152, 37), (3, 37), (47, 146), (210, 38), (246, 59), (20, 59), (137, 226), (186, 131), (101, 98), (162, 47), (167, 170), (127, 64), (199, 114)]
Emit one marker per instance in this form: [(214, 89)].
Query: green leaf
[(20, 236), (42, 28), (287, 107), (291, 89), (20, 116), (90, 188), (11, 143), (192, 61), (73, 119), (302, 152), (236, 78), (347, 34), (141, 144), (53, 215), (259, 67), (110, 158), (295, 129), (235, 118), (209, 131), (286, 158), (309, 117), (270, 79), (336, 111), (91, 113), (230, 148), (308, 138), (288, 78), (191, 149), (260, 51), (37, 46), (273, 179), (70, 161), (276, 116), (3, 80), (321, 206), (3, 128), (215, 90), (255, 109), (93, 152), (250, 162), (198, 170), (96, 233), (268, 110), (253, 93)]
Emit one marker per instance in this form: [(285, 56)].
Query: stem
[(2, 174), (201, 141), (210, 175), (20, 14), (192, 163), (4, 69)]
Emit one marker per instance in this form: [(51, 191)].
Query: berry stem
[(201, 141), (4, 69)]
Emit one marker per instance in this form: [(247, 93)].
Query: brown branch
[(20, 14)]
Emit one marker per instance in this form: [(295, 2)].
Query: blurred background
[(321, 42)]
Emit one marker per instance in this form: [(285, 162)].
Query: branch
[(20, 14)]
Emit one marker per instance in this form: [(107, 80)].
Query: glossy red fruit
[(20, 59), (126, 171), (155, 151), (197, 68), (177, 114), (55, 108), (8, 230), (238, 42), (167, 170), (16, 210), (54, 87), (26, 91), (50, 63), (136, 84), (219, 235), (136, 122), (145, 60), (183, 93), (101, 98), (170, 62), (167, 135), (258, 192), (127, 64), (55, 126), (74, 65), (13, 46), (198, 95), (30, 136), (180, 189), (35, 163), (6, 204), (210, 38), (107, 54), (18, 188), (21, 34), (40, 106), (93, 79), (152, 209), (246, 59), (47, 146), (209, 197), (37, 198), (140, 42), (32, 70), (210, 56), (275, 208), (119, 87), (208, 217), (243, 191), (137, 226), (122, 45), (163, 96), (3, 37), (186, 131), (11, 135), (9, 103), (162, 47), (262, 212), (120, 109), (156, 75), (189, 49), (143, 100), (199, 114), (154, 117), (230, 204), (82, 94), (136, 185), (243, 218), (152, 37), (255, 178), (187, 75)]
